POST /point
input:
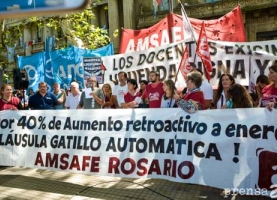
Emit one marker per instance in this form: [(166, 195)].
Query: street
[(24, 183)]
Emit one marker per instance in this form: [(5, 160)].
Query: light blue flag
[(67, 63), (63, 66), (48, 70), (34, 66)]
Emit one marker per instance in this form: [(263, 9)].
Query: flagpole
[(183, 9)]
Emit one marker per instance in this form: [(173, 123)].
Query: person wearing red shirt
[(269, 92), (194, 98), (8, 101), (154, 91), (133, 97)]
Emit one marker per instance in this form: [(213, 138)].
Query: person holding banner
[(168, 100), (108, 97), (194, 98), (73, 98), (261, 81), (92, 97), (238, 97), (270, 91), (154, 91), (225, 82), (121, 89), (133, 97), (8, 101), (60, 95)]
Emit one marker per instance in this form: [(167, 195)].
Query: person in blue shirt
[(42, 99)]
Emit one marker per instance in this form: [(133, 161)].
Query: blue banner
[(34, 66), (65, 65)]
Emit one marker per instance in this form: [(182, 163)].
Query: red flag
[(184, 66), (203, 51)]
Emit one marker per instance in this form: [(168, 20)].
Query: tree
[(75, 27)]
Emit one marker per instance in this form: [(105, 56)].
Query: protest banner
[(226, 57), (223, 149), (60, 66), (229, 27)]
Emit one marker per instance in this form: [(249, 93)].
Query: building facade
[(260, 16)]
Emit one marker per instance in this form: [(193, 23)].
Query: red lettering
[(191, 170), (95, 164), (132, 163), (155, 167), (53, 161), (85, 163), (64, 161), (75, 163), (141, 167), (114, 164), (39, 159)]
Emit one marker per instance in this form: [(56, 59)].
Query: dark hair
[(240, 96), (220, 86), (133, 82), (263, 79), (144, 81), (274, 66), (122, 72)]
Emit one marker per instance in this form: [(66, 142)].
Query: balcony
[(37, 47)]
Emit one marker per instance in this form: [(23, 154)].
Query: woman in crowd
[(238, 97), (142, 90), (8, 101), (261, 82), (168, 100), (269, 92), (194, 98), (109, 100), (225, 82), (132, 98)]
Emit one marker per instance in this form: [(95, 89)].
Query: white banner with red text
[(244, 60), (232, 148)]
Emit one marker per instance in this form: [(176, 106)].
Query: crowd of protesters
[(128, 93)]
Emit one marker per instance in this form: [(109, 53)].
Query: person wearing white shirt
[(72, 101), (121, 89)]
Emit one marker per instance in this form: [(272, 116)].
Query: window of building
[(269, 35)]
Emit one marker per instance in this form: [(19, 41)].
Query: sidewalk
[(24, 183)]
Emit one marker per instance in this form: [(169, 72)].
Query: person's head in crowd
[(239, 97), (255, 99), (273, 73), (143, 84), (107, 89), (92, 82), (194, 80), (31, 91), (262, 81), (74, 87), (6, 91), (169, 88), (42, 87), (132, 85), (154, 76), (122, 78), (56, 88), (225, 82)]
